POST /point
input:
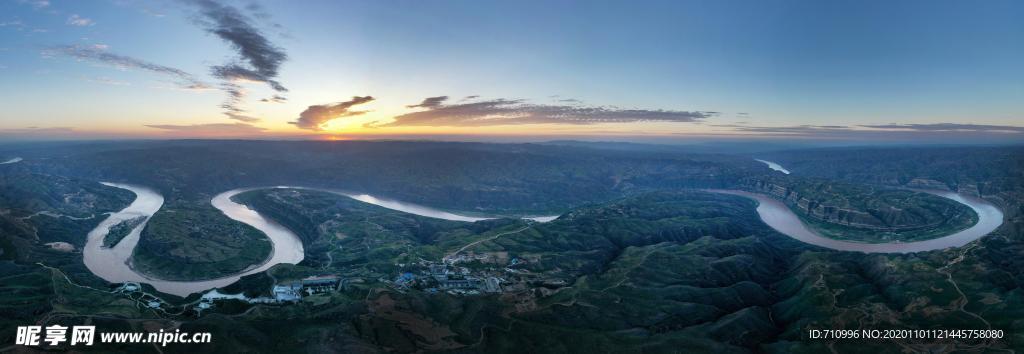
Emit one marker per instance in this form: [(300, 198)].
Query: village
[(466, 274), (437, 277)]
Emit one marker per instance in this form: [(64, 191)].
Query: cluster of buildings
[(280, 293), (294, 291), (440, 277), (147, 299)]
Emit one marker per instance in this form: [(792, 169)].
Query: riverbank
[(779, 217), (113, 264)]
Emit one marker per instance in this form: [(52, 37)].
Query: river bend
[(114, 264)]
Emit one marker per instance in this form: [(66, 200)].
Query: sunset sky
[(862, 70)]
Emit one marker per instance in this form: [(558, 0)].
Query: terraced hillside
[(193, 241), (599, 269), (657, 272), (365, 239), (867, 213), (646, 271)]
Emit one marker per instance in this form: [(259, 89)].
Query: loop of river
[(114, 264)]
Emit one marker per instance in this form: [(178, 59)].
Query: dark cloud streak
[(314, 117), (949, 127), (430, 102), (935, 132), (880, 128), (186, 80), (241, 117), (515, 112), (213, 129), (260, 60), (275, 99)]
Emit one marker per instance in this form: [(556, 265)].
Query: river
[(114, 264), (414, 209), (774, 166), (779, 217)]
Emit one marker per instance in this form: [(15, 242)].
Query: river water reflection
[(777, 215), (114, 264)]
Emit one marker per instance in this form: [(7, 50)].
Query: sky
[(933, 71)]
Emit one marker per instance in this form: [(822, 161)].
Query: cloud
[(236, 93), (76, 20), (880, 128), (263, 57), (430, 102), (937, 132), (95, 54), (213, 129), (314, 117), (949, 127), (236, 73), (259, 59), (37, 4), (20, 26), (37, 130), (152, 12), (513, 112), (275, 99), (108, 81), (794, 130), (241, 117)]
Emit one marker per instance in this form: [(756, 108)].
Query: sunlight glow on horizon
[(758, 69)]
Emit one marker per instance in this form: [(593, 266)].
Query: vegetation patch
[(193, 241), (867, 213), (121, 230)]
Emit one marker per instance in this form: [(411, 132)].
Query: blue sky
[(810, 69)]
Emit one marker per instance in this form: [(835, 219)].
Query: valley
[(649, 263)]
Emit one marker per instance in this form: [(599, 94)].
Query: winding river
[(779, 217), (411, 208), (114, 264)]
